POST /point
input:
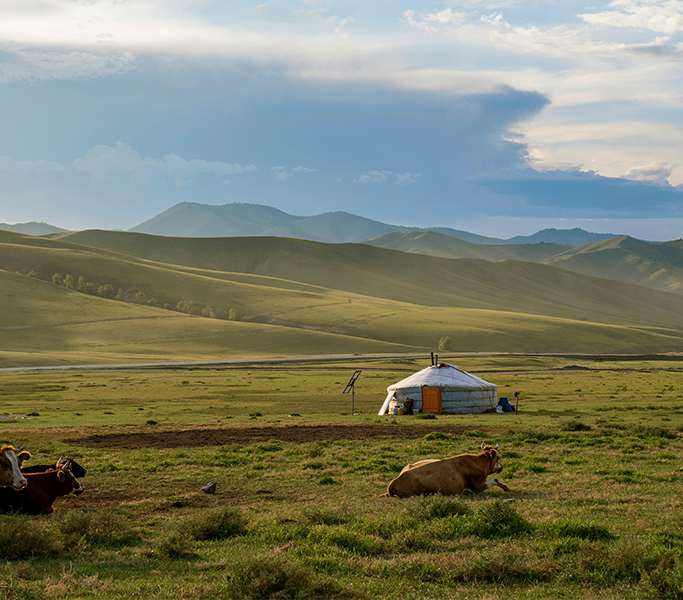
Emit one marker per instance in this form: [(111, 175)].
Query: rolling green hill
[(323, 298), (445, 246), (392, 275), (44, 324), (657, 265)]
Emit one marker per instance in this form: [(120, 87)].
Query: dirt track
[(253, 435)]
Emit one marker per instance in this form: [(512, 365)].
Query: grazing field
[(593, 459)]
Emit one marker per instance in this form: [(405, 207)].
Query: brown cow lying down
[(450, 476), (42, 490)]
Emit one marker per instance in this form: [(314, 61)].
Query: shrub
[(317, 515), (445, 343), (352, 541), (439, 506), (270, 577), (20, 538), (665, 580), (101, 528), (175, 545), (437, 435), (186, 306), (215, 524), (495, 520), (573, 528), (106, 291), (574, 425), (650, 431)]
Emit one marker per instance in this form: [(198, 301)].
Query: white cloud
[(662, 16), (407, 178), (104, 163), (32, 167), (657, 172), (495, 19), (611, 148), (374, 177), (342, 24), (281, 173), (425, 21), (20, 65)]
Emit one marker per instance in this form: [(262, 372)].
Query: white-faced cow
[(449, 476), (10, 465), (40, 492)]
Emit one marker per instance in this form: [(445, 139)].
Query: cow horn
[(483, 444), (497, 444)]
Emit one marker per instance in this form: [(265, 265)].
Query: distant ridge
[(32, 228), (570, 237), (657, 265), (190, 219), (445, 246)]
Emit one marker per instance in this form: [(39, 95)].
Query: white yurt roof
[(445, 376)]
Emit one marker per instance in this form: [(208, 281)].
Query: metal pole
[(353, 399)]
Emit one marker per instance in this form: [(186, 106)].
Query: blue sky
[(498, 117)]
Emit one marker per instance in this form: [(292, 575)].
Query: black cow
[(68, 463)]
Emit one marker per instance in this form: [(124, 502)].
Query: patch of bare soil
[(253, 435)]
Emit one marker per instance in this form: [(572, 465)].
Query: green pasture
[(45, 324), (549, 388), (593, 458)]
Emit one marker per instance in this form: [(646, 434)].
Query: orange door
[(431, 400)]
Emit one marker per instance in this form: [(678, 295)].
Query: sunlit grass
[(594, 509)]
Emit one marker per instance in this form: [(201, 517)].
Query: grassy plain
[(594, 460)]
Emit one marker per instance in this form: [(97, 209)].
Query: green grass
[(591, 517)]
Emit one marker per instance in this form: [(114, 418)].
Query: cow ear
[(22, 457), (60, 475)]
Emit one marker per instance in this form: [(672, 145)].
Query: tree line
[(108, 292)]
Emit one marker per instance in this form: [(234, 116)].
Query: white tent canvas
[(461, 392)]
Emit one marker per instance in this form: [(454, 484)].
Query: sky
[(500, 117)]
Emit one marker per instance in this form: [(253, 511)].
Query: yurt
[(440, 388)]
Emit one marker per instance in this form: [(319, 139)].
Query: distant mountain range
[(32, 228), (445, 246), (657, 265), (189, 219)]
